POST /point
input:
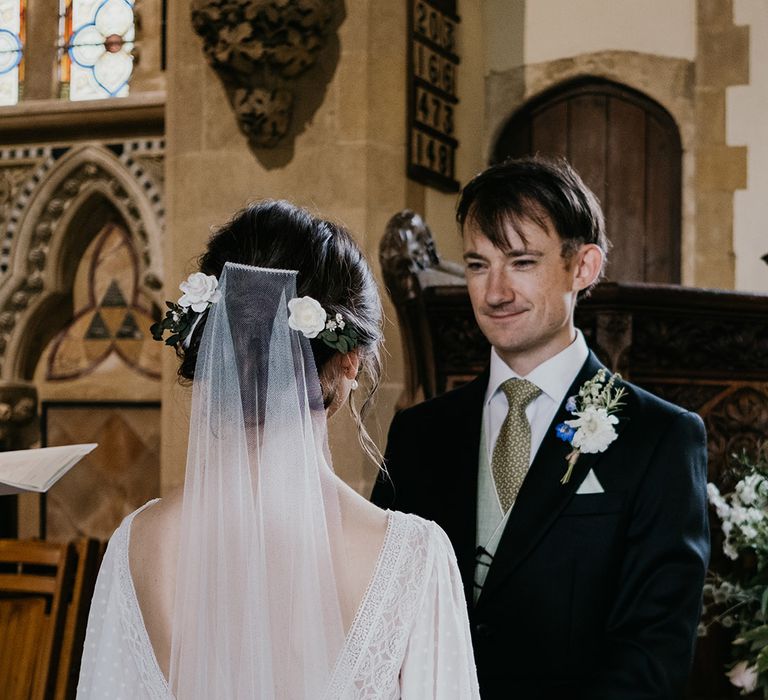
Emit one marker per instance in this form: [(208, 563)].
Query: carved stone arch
[(669, 82), (627, 149), (87, 185)]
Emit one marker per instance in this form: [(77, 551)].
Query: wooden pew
[(36, 581), (45, 596)]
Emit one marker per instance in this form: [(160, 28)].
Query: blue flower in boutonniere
[(592, 430)]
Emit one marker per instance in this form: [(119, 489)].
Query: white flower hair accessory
[(307, 316), (200, 291), (592, 430)]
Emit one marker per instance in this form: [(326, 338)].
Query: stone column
[(344, 160), (722, 60)]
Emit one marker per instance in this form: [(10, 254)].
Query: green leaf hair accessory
[(200, 291), (307, 316)]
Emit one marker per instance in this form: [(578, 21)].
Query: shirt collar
[(553, 377)]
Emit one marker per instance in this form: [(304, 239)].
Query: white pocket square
[(590, 485)]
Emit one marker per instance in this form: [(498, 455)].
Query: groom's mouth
[(505, 315)]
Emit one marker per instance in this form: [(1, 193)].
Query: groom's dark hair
[(542, 190)]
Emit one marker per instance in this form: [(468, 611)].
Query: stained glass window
[(96, 37), (12, 26)]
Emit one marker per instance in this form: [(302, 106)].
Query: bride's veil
[(257, 612)]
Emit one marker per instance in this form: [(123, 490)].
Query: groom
[(583, 569)]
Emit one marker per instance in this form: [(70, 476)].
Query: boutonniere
[(592, 430)]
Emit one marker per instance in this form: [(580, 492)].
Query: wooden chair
[(36, 581), (89, 552)]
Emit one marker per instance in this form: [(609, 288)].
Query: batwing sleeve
[(439, 663)]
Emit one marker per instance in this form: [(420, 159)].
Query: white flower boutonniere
[(592, 430)]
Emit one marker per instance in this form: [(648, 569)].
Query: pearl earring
[(354, 384)]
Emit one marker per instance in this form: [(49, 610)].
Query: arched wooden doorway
[(627, 148)]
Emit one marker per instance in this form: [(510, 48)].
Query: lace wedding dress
[(410, 638), (257, 609)]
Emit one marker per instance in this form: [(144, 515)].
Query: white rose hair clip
[(199, 292), (307, 316)]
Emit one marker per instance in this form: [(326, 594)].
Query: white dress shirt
[(554, 377)]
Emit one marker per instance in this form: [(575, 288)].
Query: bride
[(268, 577)]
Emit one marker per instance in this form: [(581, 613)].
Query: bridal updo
[(331, 269)]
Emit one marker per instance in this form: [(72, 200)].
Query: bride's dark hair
[(331, 268)]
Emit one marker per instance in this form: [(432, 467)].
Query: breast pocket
[(594, 504)]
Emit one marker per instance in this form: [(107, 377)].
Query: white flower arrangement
[(307, 316), (743, 676), (199, 292), (592, 430), (742, 601)]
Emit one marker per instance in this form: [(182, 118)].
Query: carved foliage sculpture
[(738, 421), (257, 47)]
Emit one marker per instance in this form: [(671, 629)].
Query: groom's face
[(523, 297)]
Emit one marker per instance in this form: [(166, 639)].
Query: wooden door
[(627, 149)]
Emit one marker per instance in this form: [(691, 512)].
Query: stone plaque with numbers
[(432, 100)]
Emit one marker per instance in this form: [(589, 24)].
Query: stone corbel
[(259, 48), (19, 425)]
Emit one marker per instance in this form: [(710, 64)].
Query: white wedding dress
[(410, 637)]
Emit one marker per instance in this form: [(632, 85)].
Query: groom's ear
[(586, 264)]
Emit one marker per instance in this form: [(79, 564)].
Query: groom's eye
[(524, 263)]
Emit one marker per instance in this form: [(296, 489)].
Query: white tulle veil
[(257, 611)]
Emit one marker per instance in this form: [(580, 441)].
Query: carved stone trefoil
[(258, 47)]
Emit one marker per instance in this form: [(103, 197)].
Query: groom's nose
[(499, 288)]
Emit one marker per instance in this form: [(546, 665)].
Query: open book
[(37, 470)]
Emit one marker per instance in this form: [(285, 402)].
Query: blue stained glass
[(100, 48), (12, 29), (10, 50)]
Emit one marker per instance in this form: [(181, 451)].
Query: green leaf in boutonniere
[(592, 430)]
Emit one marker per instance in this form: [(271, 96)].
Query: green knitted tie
[(512, 452)]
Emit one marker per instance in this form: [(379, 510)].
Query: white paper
[(39, 469)]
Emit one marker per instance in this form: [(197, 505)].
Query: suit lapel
[(541, 496), (462, 437)]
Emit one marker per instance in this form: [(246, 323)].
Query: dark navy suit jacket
[(593, 596)]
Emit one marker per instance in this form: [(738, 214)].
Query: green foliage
[(177, 321), (739, 601)]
